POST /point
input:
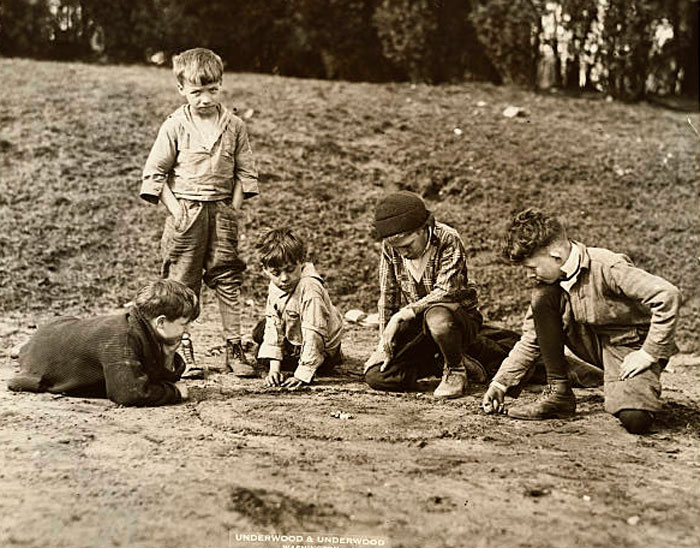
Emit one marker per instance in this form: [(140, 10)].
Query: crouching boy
[(129, 358), (428, 316), (302, 329), (604, 309)]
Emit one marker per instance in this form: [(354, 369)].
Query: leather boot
[(453, 383), (557, 401), (236, 360)]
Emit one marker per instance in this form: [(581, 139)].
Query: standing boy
[(302, 329), (608, 312), (201, 167), (428, 317), (129, 358)]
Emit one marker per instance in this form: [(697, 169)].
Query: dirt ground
[(337, 464), (405, 470)]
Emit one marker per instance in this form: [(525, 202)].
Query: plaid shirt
[(444, 279)]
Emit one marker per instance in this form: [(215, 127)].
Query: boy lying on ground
[(129, 358)]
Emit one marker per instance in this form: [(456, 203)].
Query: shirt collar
[(571, 268)]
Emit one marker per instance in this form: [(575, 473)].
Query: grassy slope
[(75, 237)]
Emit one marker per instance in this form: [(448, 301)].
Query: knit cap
[(399, 212)]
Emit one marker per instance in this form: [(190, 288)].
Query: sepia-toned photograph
[(349, 273)]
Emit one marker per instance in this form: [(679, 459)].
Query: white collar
[(571, 268)]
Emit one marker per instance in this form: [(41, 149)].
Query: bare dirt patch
[(238, 458)]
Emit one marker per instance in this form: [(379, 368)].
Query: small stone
[(355, 315), (481, 104), (457, 131), (513, 111), (634, 520), (586, 498), (372, 320)]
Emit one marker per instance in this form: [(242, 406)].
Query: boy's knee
[(440, 321), (635, 421), (374, 378), (379, 380), (545, 297)]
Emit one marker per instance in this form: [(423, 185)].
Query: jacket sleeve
[(273, 336), (389, 290), (522, 356), (658, 295), (160, 163), (314, 333), (245, 171), (126, 380)]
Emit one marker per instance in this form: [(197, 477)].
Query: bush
[(509, 33)]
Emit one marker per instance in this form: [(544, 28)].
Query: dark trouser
[(633, 400), (439, 337), (290, 353)]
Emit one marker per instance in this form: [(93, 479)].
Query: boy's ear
[(180, 88), (159, 321)]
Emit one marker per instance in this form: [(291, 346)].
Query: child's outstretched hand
[(635, 363), (293, 382), (275, 376), (493, 400)]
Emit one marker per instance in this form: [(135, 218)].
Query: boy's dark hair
[(280, 247), (530, 231), (169, 298), (198, 66)]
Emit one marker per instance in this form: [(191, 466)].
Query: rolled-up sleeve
[(160, 163), (245, 171), (661, 297), (271, 346), (522, 356)]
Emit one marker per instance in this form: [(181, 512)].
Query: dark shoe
[(557, 401), (237, 362), (192, 370), (453, 383)]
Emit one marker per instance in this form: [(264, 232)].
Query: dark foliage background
[(613, 46)]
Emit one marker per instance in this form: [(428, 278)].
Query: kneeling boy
[(129, 358), (608, 312), (428, 316), (302, 329)]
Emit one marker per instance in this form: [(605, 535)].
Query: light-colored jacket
[(306, 318), (616, 299), (194, 169)]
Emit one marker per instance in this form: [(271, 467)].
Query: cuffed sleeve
[(273, 335), (522, 356), (159, 164), (312, 355), (658, 295), (245, 171), (127, 383), (389, 290)]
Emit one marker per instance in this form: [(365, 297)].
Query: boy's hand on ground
[(635, 363), (377, 357), (493, 400), (180, 385), (292, 383), (274, 378)]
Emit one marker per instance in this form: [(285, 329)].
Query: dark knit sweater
[(116, 356)]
